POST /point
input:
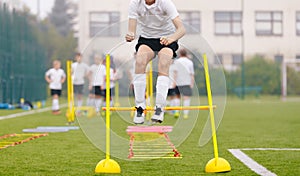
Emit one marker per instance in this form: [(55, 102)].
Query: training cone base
[(108, 166), (219, 165)]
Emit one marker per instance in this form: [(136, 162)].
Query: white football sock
[(162, 86), (55, 104), (98, 102), (139, 85), (176, 103), (186, 103)]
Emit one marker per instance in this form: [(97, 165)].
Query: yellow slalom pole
[(72, 95), (107, 165), (151, 84), (211, 112), (147, 87), (107, 106), (117, 102), (217, 164), (70, 112)]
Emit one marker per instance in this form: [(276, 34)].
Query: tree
[(259, 72), (61, 18)]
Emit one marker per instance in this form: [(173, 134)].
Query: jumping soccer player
[(161, 28)]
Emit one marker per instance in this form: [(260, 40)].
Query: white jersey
[(55, 75), (155, 20), (79, 71), (112, 76), (184, 70), (97, 74)]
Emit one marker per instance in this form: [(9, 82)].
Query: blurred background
[(257, 42)]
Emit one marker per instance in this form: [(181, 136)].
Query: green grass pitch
[(266, 122)]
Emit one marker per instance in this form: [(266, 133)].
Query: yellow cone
[(108, 166), (219, 165)]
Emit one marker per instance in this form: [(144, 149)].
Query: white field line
[(273, 149), (28, 112), (253, 165), (249, 162)]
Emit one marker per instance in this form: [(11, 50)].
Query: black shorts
[(55, 92), (78, 89), (112, 93), (154, 44), (185, 90), (173, 91), (96, 90)]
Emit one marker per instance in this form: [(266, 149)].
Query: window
[(269, 23), (237, 59), (218, 59), (191, 21), (228, 23), (278, 58), (101, 20), (298, 23)]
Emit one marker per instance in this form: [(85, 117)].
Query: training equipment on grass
[(107, 165), (166, 108), (35, 130), (217, 164), (99, 129), (59, 127), (11, 140), (86, 111), (70, 114), (50, 129), (142, 147)]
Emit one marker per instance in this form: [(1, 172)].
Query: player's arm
[(192, 80), (192, 75), (63, 78), (130, 36), (47, 78), (180, 31), (89, 76)]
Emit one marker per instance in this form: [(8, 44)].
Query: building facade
[(234, 29)]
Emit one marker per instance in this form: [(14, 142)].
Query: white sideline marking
[(254, 166), (249, 162), (28, 112), (273, 149)]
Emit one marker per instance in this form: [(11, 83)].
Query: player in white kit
[(80, 70), (97, 71), (161, 28), (184, 78), (55, 77)]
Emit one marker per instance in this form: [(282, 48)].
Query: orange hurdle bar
[(166, 108)]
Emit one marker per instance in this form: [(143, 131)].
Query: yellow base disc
[(219, 165), (108, 166)]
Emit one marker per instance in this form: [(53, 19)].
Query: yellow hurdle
[(170, 108), (107, 165), (117, 94)]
